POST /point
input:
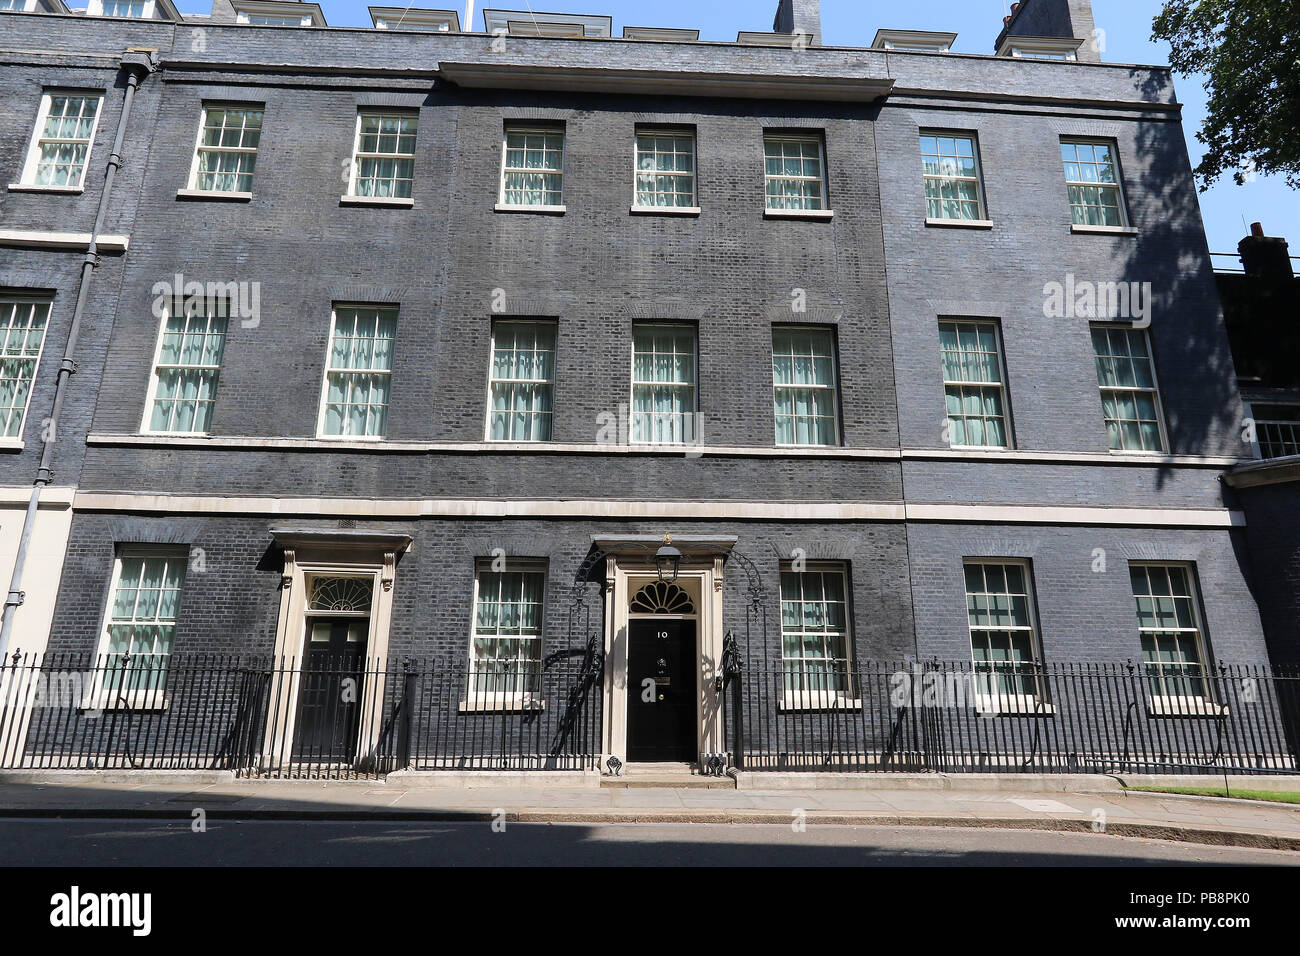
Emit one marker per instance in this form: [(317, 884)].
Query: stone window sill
[(1184, 707), (813, 702), (959, 223), (213, 195), (32, 188), (535, 210), (1012, 706), (1104, 230), (815, 215), (501, 704), (666, 210), (398, 202), (127, 700)]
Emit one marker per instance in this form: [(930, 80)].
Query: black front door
[(329, 689), (661, 691)]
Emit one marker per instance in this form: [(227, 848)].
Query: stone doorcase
[(629, 566)]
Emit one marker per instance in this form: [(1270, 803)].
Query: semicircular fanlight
[(341, 594), (661, 597)]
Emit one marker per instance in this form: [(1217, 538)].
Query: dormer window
[(278, 13), (525, 23), (402, 18), (661, 34), (1028, 54), (1041, 48), (914, 41), (262, 20), (123, 9), (120, 9)]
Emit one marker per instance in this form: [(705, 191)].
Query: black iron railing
[(334, 718), (958, 717), (347, 717)]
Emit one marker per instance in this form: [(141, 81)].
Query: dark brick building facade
[(259, 507)]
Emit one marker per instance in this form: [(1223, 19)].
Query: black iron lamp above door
[(668, 560)]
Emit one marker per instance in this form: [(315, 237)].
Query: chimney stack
[(799, 16), (1053, 18), (1266, 258)]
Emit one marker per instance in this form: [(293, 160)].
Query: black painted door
[(662, 691), (329, 691)]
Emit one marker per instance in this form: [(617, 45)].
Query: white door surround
[(343, 553), (629, 566)]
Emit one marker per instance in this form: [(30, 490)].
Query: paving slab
[(1194, 819)]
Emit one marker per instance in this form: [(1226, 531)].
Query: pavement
[(1202, 820), (82, 844)]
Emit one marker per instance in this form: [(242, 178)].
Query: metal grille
[(335, 719), (942, 716)]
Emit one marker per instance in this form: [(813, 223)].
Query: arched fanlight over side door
[(661, 597)]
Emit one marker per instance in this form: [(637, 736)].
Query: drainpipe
[(136, 64)]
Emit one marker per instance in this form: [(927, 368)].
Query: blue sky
[(1228, 209)]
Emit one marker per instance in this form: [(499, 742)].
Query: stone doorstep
[(657, 782), (671, 776)]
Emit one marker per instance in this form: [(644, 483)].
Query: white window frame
[(834, 387), (1002, 385), (845, 698), (492, 380), (981, 200), (1026, 53), (999, 703), (1180, 705), (243, 16), (695, 384), (327, 368), (775, 136), (34, 148), (1117, 185), (100, 697), (151, 397), (396, 18), (677, 132), (35, 302), (1154, 389), (540, 129), (1252, 413), (20, 6), (495, 701), (192, 183), (914, 41), (357, 154), (287, 9), (95, 8), (1051, 49)]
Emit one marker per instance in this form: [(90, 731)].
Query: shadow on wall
[(1203, 410)]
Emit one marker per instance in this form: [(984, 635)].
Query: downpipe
[(137, 64)]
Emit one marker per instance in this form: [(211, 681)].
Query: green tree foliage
[(1249, 51)]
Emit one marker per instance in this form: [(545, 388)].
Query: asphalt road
[(76, 843)]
